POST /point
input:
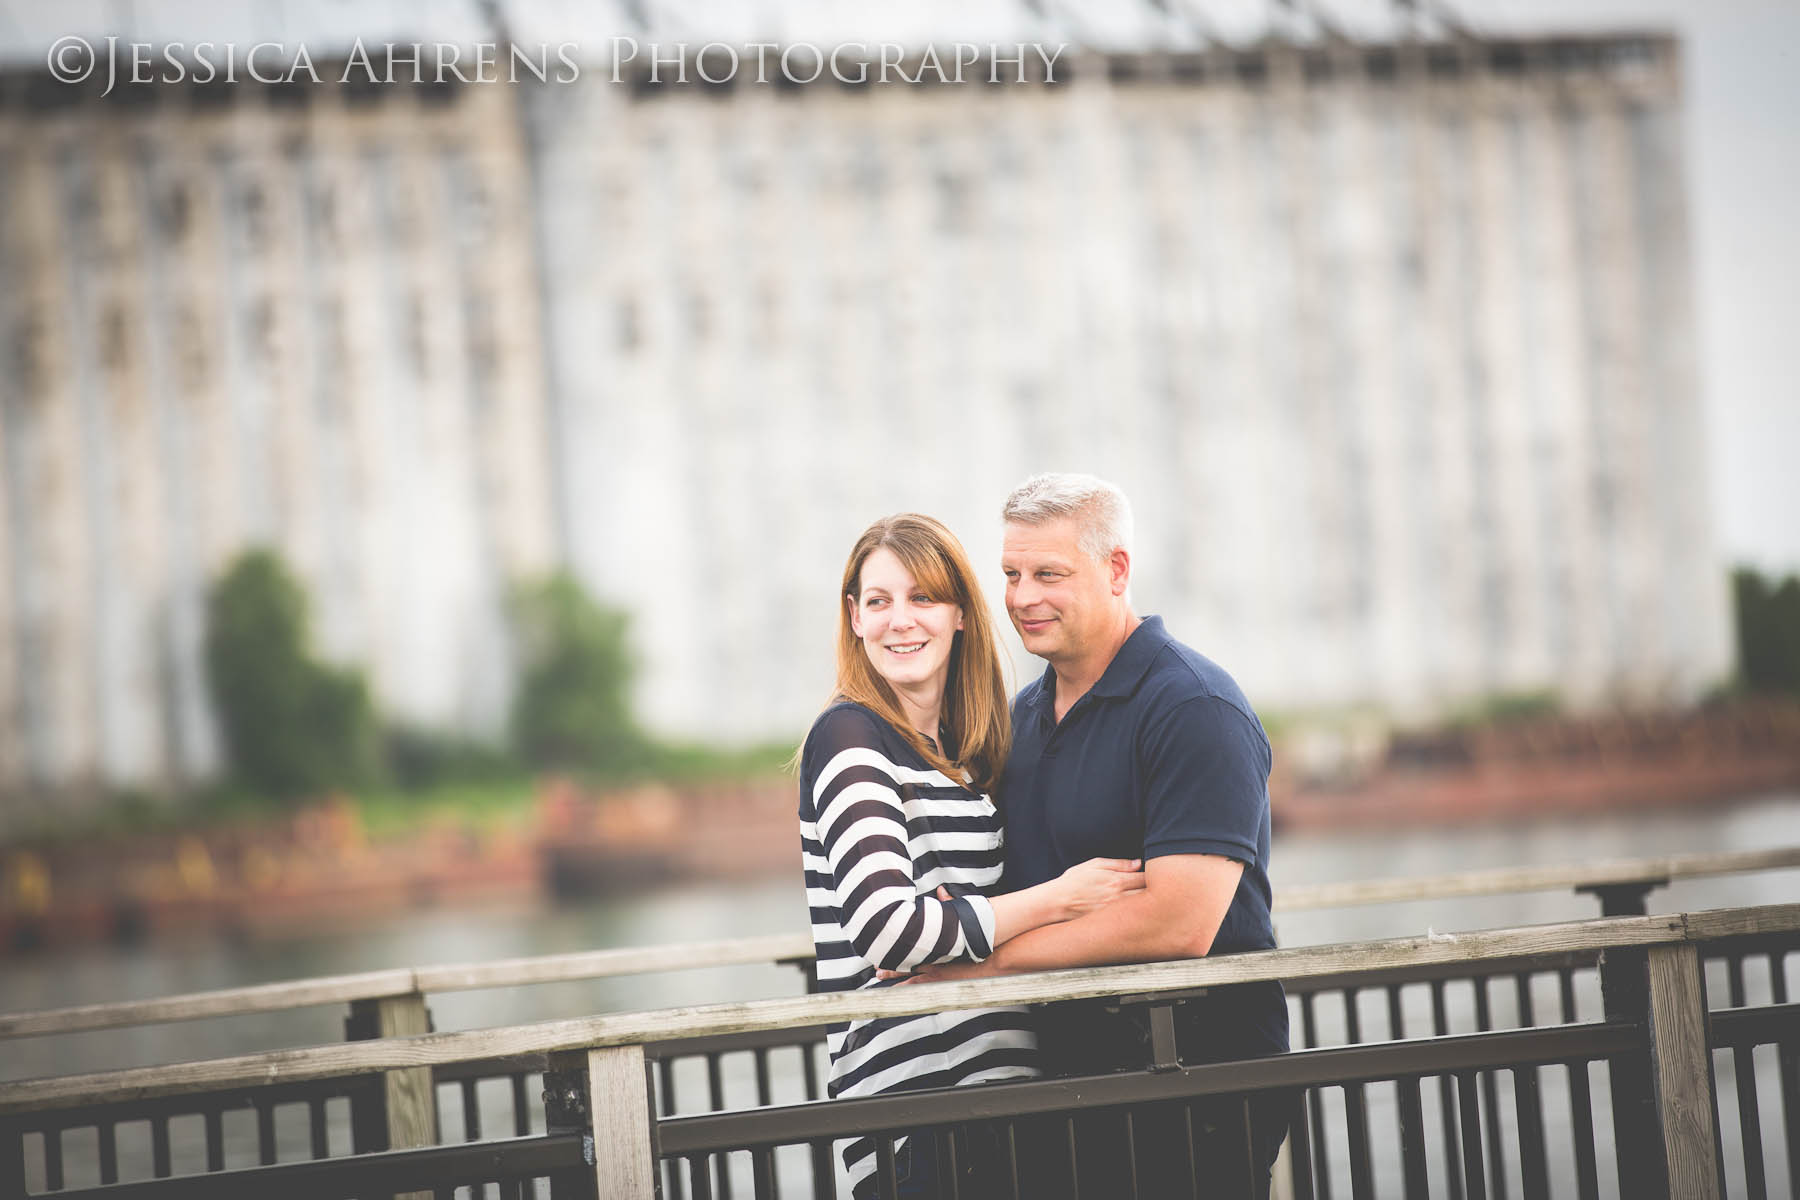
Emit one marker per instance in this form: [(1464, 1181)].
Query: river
[(700, 911)]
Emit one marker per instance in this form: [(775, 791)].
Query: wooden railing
[(1655, 1042), (402, 1110), (1621, 885)]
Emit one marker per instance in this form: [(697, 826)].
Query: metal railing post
[(12, 1158), (403, 1111), (1681, 1073), (1624, 989)]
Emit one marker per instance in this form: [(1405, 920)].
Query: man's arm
[(1176, 915)]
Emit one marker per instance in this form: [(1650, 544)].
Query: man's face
[(1060, 600)]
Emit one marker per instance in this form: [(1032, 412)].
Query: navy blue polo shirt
[(1164, 755)]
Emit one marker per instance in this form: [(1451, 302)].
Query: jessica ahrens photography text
[(115, 61)]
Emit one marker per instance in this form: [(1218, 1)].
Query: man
[(1133, 745)]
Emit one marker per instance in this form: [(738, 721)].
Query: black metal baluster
[(762, 1077), (1396, 1019), (715, 1093), (265, 1132), (521, 1109), (700, 1176), (947, 1164), (53, 1160), (1300, 1166), (215, 1139), (809, 1072), (1744, 1068), (1787, 1059), (715, 1084), (1356, 1122), (665, 1105), (1750, 1123), (1321, 1153), (109, 1151), (1490, 1096), (160, 1164), (1581, 1128), (1412, 1138), (823, 1172), (1131, 1168), (1534, 1171), (1581, 1105), (12, 1159), (1534, 1168), (1440, 1027), (1734, 979), (762, 1168), (471, 1106), (1356, 1112), (316, 1127), (1469, 1109)]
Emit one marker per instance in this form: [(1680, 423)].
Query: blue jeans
[(915, 1166), (915, 1170)]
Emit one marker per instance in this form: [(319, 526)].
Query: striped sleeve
[(862, 828)]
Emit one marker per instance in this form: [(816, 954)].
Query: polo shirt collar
[(1129, 665), (1126, 670)]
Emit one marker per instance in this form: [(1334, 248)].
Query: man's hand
[(1176, 915)]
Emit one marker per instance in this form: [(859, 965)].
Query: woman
[(900, 839)]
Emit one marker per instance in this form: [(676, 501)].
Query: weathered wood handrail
[(642, 1028), (376, 985), (598, 964), (1508, 880)]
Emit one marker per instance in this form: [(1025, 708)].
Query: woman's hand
[(1095, 883)]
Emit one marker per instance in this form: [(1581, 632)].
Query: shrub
[(573, 706), (1768, 629), (293, 726)]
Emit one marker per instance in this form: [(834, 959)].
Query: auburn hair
[(976, 720)]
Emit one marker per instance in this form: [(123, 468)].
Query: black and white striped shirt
[(880, 830)]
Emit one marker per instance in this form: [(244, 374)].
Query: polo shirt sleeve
[(862, 826), (1205, 767)]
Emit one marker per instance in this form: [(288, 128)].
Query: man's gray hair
[(1100, 508)]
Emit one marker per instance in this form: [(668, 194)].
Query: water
[(697, 912)]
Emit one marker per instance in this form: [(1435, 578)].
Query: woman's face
[(906, 634)]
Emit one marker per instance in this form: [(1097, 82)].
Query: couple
[(1133, 780)]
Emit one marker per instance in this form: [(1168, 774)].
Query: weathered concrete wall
[(1397, 365), (312, 325), (1398, 370)]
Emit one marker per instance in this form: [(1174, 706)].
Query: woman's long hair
[(976, 720)]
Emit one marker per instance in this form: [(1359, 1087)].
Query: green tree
[(293, 726), (573, 707), (1768, 628)]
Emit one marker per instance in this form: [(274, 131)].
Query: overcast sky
[(1743, 77)]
